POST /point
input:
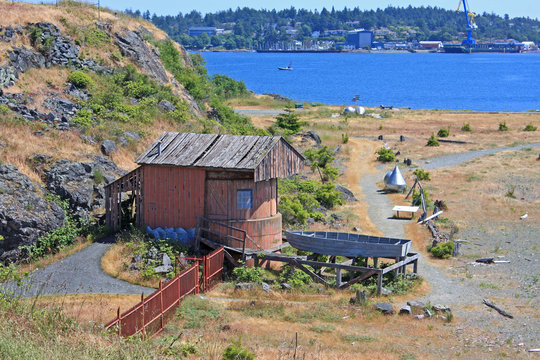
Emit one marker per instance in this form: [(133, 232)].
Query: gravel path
[(517, 282), (80, 273), (456, 159)]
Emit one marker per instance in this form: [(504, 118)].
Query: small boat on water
[(347, 244), (286, 68)]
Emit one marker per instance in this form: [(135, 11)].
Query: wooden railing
[(149, 315)]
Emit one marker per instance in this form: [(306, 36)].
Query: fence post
[(118, 320), (161, 302), (143, 326), (197, 277)]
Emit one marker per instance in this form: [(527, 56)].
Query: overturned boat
[(347, 244), (394, 181)]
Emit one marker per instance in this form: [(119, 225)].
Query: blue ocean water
[(486, 82)]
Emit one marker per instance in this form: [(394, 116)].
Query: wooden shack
[(231, 179)]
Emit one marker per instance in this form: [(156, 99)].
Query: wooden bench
[(406, 209)]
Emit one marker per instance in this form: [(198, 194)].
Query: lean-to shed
[(227, 178)]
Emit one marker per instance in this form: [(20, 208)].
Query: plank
[(358, 279), (431, 217), (318, 263), (314, 276), (407, 260)]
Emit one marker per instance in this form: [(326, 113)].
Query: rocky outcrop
[(133, 45), (82, 183), (24, 214)]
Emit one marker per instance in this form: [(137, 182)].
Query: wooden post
[(375, 262), (118, 320), (161, 302), (415, 266), (379, 283), (338, 277)]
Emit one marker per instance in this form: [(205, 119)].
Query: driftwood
[(499, 310), (485, 260)]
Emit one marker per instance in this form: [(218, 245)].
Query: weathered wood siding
[(280, 162), (174, 196), (221, 196), (131, 182)]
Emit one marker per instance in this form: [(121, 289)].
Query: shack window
[(244, 198)]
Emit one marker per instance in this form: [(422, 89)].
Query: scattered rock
[(406, 310), (108, 147), (415, 304), (225, 327), (166, 106), (360, 298), (441, 308), (131, 135), (347, 194), (266, 287), (357, 229), (337, 149), (419, 317), (428, 313), (244, 286), (386, 292), (385, 308), (285, 286), (336, 217)]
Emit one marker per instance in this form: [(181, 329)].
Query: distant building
[(431, 45), (360, 38), (335, 32), (199, 30)]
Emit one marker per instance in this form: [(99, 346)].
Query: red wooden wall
[(173, 196)]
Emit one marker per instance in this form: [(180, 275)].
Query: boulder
[(82, 183), (285, 286), (406, 310), (108, 147), (24, 214), (441, 308), (347, 194), (266, 287), (312, 134), (166, 106), (385, 308)]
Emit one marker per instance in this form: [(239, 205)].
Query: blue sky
[(514, 8)]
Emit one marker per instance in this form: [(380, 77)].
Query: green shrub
[(422, 174), (443, 250), (319, 158), (98, 176), (4, 109), (83, 119), (294, 277), (330, 173), (248, 274), (235, 351), (344, 138), (292, 210), (466, 127), (327, 195), (530, 127), (289, 121), (227, 87), (503, 126), (80, 79), (444, 132), (386, 155), (433, 141), (416, 198)]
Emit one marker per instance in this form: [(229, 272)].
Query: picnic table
[(406, 209)]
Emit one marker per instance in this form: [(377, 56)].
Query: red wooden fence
[(149, 315)]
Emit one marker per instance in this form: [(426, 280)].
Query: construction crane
[(470, 23)]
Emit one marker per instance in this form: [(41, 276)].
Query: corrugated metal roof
[(236, 152)]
